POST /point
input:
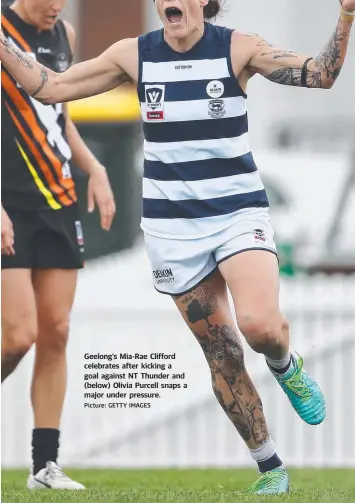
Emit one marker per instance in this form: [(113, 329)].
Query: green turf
[(175, 486)]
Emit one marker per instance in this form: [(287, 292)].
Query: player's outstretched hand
[(348, 5), (7, 234), (100, 194)]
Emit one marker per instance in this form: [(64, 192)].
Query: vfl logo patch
[(216, 109), (154, 99), (259, 235)]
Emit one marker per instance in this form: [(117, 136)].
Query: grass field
[(175, 486)]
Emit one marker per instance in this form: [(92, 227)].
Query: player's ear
[(203, 3)]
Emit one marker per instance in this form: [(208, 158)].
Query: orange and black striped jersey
[(35, 155)]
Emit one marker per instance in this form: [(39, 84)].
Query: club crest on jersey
[(62, 62), (216, 109), (154, 99)]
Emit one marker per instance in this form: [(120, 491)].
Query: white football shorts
[(178, 266)]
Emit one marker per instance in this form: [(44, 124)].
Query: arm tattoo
[(224, 353), (280, 54), (329, 61), (326, 66), (293, 77), (264, 43), (20, 57), (44, 77)]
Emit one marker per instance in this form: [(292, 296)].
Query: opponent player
[(205, 210), (41, 237)]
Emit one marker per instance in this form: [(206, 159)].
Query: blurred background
[(304, 143)]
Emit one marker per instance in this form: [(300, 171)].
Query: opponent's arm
[(85, 79), (99, 188), (290, 68)]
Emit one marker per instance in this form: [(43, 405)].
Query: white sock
[(280, 364), (266, 451)]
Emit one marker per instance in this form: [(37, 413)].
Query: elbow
[(45, 100), (46, 93), (327, 83)]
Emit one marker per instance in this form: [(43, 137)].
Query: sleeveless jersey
[(35, 153), (199, 172)]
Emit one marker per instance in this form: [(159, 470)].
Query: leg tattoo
[(230, 381)]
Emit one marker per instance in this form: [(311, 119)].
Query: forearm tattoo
[(230, 381), (325, 68), (24, 60), (19, 56), (44, 77)]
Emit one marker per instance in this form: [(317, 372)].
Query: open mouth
[(51, 19), (173, 15)]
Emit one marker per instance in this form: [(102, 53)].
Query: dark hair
[(211, 10)]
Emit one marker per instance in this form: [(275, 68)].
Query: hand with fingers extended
[(7, 234), (100, 194)]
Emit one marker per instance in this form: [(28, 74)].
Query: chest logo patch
[(216, 109), (215, 89), (62, 62), (154, 99)]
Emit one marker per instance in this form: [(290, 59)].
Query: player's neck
[(184, 44), (21, 12)]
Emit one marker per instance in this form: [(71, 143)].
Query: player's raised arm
[(89, 78), (290, 68)]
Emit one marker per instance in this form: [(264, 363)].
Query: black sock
[(284, 369), (45, 444), (269, 464)]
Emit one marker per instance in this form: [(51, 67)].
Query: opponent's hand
[(7, 234), (100, 194), (348, 5)]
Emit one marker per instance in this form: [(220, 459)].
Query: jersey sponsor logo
[(43, 50), (154, 98), (62, 62), (216, 109), (79, 233), (163, 276), (183, 67), (215, 89)]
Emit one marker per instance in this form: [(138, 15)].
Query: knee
[(263, 333), (17, 339), (53, 336)]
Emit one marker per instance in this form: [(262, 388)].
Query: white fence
[(117, 310)]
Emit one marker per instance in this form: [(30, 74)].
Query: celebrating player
[(41, 237), (205, 210)]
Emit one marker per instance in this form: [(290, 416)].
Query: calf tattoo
[(230, 381)]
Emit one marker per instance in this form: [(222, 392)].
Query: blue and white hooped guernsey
[(199, 172)]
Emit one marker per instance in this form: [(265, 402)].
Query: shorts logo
[(216, 109), (259, 235), (79, 233), (163, 276), (215, 89), (154, 98)]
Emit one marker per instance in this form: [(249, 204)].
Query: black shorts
[(49, 239)]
